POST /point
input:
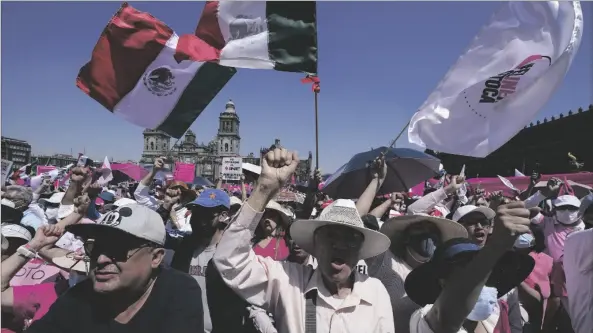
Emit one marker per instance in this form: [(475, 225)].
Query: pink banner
[(185, 172), (35, 272), (44, 168), (494, 184), (133, 171)]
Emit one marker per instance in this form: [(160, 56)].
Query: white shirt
[(143, 198), (280, 287), (578, 268)]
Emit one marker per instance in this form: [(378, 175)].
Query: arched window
[(146, 146), (164, 146), (152, 146), (226, 147)]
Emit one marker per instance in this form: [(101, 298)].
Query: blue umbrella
[(201, 181), (405, 169)]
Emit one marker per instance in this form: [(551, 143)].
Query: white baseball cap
[(136, 220), (235, 201), (16, 231), (567, 200), (464, 210), (119, 203)]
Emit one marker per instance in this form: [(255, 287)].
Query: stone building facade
[(206, 157)]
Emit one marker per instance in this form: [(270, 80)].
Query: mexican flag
[(280, 35), (133, 73)]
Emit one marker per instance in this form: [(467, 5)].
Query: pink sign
[(35, 272), (184, 172), (133, 171), (44, 168)]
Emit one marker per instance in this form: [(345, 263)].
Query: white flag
[(501, 82), (106, 173), (519, 173)]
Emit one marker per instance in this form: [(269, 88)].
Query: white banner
[(6, 168), (502, 81), (232, 168)]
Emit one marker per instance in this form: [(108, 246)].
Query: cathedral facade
[(206, 157)]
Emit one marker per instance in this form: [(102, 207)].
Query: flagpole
[(316, 133)]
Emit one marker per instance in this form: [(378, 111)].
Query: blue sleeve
[(92, 212)]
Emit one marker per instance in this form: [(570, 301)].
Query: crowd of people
[(164, 256)]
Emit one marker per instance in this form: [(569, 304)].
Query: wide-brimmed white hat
[(55, 198), (464, 210), (285, 215), (69, 263), (16, 231), (341, 212), (394, 227)]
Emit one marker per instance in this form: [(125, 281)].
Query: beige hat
[(284, 214), (341, 212), (394, 227), (235, 201), (68, 263), (464, 210)]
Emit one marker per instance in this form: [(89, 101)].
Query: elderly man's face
[(337, 249), (120, 262), (477, 226)]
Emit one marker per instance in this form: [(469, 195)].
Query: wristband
[(26, 252)]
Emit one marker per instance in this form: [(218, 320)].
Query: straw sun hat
[(341, 212)]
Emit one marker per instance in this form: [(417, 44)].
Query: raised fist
[(277, 167)]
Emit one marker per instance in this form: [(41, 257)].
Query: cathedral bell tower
[(228, 141)]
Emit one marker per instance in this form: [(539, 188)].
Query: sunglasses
[(120, 251)]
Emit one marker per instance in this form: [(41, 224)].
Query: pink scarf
[(503, 325)]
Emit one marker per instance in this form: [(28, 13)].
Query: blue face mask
[(485, 305), (423, 245), (525, 241)]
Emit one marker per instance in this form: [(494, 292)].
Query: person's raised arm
[(425, 204), (378, 173), (234, 258), (141, 194), (461, 292), (380, 210)]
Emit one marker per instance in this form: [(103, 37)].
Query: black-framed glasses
[(117, 251)]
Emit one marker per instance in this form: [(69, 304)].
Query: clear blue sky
[(378, 61)]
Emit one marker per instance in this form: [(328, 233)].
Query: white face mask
[(485, 305), (567, 216), (52, 214), (525, 241)]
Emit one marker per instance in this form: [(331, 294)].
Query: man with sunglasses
[(128, 290)]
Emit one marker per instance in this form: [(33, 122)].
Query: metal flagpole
[(316, 89)]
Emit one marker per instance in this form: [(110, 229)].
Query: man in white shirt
[(578, 269), (332, 298)]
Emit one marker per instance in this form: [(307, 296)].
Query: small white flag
[(506, 76), (519, 173)]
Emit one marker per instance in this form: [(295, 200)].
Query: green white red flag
[(133, 73)]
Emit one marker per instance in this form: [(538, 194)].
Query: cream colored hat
[(341, 212), (284, 214)]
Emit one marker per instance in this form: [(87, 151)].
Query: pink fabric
[(559, 280), (33, 302), (555, 235), (133, 171), (35, 272), (503, 325), (184, 172), (539, 279), (494, 184), (270, 250), (45, 168)]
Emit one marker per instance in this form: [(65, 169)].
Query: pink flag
[(184, 172), (41, 169)]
